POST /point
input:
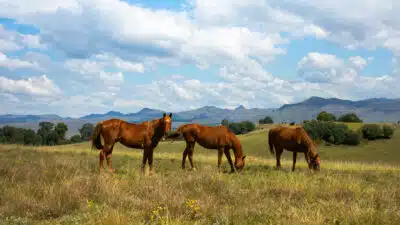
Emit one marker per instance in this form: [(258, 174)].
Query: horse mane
[(306, 140)]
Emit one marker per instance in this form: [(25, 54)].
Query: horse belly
[(290, 145)]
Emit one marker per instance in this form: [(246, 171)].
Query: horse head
[(315, 162), (166, 122), (239, 163)]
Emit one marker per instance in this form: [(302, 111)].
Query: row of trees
[(347, 118), (338, 133), (47, 134), (239, 127)]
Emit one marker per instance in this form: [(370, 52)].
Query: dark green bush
[(331, 132), (352, 138), (242, 127), (371, 131), (387, 131), (325, 116), (266, 120), (350, 118), (76, 138), (338, 132)]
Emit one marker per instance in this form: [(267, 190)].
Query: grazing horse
[(294, 139), (145, 135), (210, 137)]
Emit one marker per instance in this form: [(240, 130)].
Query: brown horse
[(294, 139), (210, 137), (144, 136)]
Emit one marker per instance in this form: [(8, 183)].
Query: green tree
[(30, 137), (46, 133), (86, 131), (266, 120), (225, 122), (76, 138), (60, 132), (325, 116), (350, 118)]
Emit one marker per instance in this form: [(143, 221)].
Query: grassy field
[(61, 185)]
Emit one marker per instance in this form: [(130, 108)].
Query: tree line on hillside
[(47, 134), (326, 128), (346, 118), (239, 127)]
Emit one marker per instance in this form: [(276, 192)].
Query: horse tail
[(175, 134), (96, 139), (270, 142)]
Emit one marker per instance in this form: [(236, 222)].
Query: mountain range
[(369, 110)]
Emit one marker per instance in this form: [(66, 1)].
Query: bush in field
[(325, 116), (76, 138), (352, 138), (314, 129), (371, 131), (334, 133), (350, 118), (387, 131), (338, 132), (240, 127), (266, 120)]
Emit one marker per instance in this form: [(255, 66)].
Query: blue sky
[(75, 57)]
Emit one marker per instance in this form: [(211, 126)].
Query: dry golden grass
[(61, 185)]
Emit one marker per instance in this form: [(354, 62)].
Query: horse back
[(289, 138)]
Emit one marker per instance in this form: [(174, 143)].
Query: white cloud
[(358, 62), (325, 68), (32, 41), (38, 86), (106, 39), (14, 41), (13, 64)]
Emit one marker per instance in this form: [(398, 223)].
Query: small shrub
[(76, 138), (266, 120), (371, 131), (352, 137), (387, 131), (339, 133), (325, 116), (350, 118)]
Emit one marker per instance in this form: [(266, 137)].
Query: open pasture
[(61, 185)]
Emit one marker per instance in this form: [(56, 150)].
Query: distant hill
[(370, 110)]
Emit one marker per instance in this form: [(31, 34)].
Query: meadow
[(61, 185)]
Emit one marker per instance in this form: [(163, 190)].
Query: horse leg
[(307, 159), (108, 157), (228, 156), (144, 160), (150, 161), (278, 156), (220, 152), (294, 160), (191, 150), (185, 153), (101, 160)]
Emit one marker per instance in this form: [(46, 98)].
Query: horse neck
[(157, 127), (237, 148), (310, 146)]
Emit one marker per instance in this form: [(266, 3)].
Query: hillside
[(61, 185), (370, 110)]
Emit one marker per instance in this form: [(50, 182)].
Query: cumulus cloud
[(13, 64), (14, 41), (37, 86), (107, 40)]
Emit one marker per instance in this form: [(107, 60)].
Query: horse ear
[(170, 115), (164, 114)]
